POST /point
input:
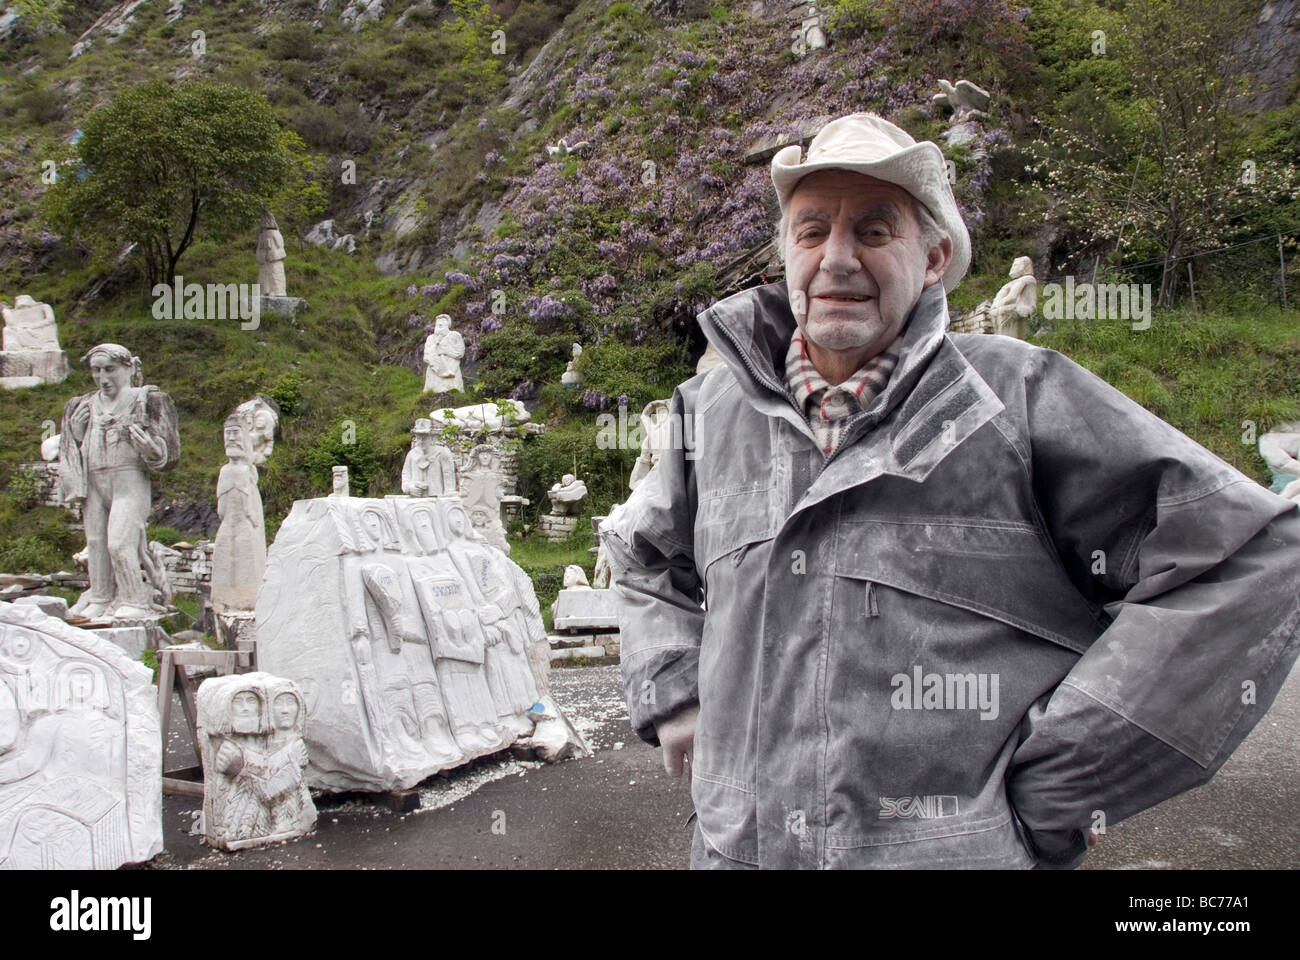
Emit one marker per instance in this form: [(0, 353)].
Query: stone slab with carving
[(482, 487), (412, 640), (80, 749), (250, 729)]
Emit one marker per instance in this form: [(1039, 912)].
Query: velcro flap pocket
[(1000, 569)]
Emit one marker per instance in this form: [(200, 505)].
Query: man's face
[(109, 375), (855, 260)]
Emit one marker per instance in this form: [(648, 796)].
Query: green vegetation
[(164, 164), (1208, 374)]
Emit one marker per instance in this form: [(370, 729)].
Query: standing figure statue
[(239, 553), (429, 470), (112, 439), (1016, 301), (442, 354), (482, 494), (270, 257)]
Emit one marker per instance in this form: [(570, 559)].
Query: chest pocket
[(999, 569), (729, 520)]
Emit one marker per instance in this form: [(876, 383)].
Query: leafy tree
[(1160, 172), (163, 160)]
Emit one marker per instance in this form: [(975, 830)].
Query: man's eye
[(810, 235), (876, 233)]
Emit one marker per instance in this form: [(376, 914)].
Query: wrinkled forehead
[(829, 193)]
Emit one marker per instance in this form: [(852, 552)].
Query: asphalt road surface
[(619, 810)]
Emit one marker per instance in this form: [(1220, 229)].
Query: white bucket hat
[(866, 143)]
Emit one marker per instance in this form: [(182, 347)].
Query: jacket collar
[(933, 401)]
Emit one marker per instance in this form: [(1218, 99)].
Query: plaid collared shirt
[(830, 409)]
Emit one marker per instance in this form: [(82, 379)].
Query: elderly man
[(919, 600)]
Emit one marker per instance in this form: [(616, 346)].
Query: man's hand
[(677, 737)]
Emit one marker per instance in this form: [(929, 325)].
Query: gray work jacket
[(1012, 605)]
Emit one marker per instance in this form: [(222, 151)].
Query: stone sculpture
[(562, 148), (239, 552), (422, 660), (80, 748), (482, 494), (429, 470), (31, 354), (1015, 303), (566, 496), (483, 417), (571, 377), (29, 326), (654, 418), (1280, 449), (443, 350), (250, 729), (270, 258), (341, 486), (111, 440), (964, 95), (708, 360)]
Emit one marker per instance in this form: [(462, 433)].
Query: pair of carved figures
[(251, 734), (112, 439)]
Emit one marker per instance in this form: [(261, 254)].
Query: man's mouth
[(842, 297)]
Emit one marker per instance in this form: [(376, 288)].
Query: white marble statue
[(443, 350), (31, 354), (566, 496), (654, 418), (1280, 449), (1016, 301), (340, 480), (239, 552), (429, 470), (575, 576), (270, 258), (412, 640), (111, 440), (30, 326), (571, 377), (80, 748), (483, 488), (964, 95), (250, 729), (562, 148), (708, 360), (483, 417)]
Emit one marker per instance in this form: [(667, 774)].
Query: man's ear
[(937, 261)]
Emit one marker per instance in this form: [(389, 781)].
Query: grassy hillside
[(458, 209)]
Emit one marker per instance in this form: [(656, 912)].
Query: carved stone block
[(80, 749), (254, 759)]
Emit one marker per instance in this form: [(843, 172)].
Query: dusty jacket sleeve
[(652, 572), (1195, 571)]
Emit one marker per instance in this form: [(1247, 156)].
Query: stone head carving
[(1021, 267), (377, 529), (246, 712), (80, 686), (260, 418), (341, 488), (113, 367), (288, 709), (442, 323), (268, 221), (239, 445)]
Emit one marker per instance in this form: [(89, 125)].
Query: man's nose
[(840, 253)]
